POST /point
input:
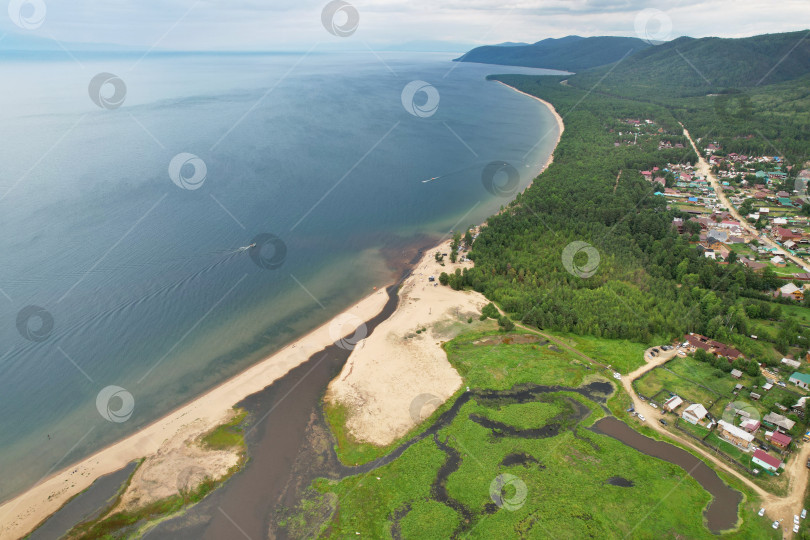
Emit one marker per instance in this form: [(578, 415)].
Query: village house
[(791, 291), (778, 421), (792, 363), (672, 403), (695, 413), (786, 234), (696, 341), (780, 440), (734, 435), (753, 265), (766, 461), (750, 425), (801, 380)]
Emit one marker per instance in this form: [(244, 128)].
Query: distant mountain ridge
[(689, 66), (571, 53)]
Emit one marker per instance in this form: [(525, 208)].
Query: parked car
[(664, 422), (617, 376), (796, 528), (808, 463), (656, 351), (804, 513), (775, 525), (761, 512), (641, 417), (782, 384), (796, 519), (653, 405)]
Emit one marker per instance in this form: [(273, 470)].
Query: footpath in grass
[(519, 468)]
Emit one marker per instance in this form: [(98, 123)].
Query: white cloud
[(286, 24)]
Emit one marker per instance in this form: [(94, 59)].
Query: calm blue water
[(144, 281)]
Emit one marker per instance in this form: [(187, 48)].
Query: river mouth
[(722, 512)]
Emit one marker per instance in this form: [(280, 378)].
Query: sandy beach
[(21, 514), (398, 377), (401, 373), (392, 379)]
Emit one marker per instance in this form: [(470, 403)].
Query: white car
[(617, 376), (796, 520), (641, 417), (804, 513), (653, 405), (761, 512), (796, 528), (775, 525)]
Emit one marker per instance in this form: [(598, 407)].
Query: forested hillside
[(571, 53), (649, 282), (752, 94), (694, 67)]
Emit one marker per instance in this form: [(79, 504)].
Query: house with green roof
[(800, 379)]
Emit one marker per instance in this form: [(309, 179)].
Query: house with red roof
[(696, 341), (766, 461), (786, 234), (780, 440)]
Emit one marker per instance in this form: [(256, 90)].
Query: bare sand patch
[(401, 373)]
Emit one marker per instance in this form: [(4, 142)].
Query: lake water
[(144, 281)]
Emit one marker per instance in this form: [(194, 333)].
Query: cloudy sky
[(297, 24)]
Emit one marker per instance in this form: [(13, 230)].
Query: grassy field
[(559, 485), (729, 449), (625, 356), (679, 376), (699, 382)]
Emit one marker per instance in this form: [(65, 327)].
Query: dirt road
[(776, 508), (705, 170)]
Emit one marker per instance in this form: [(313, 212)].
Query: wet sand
[(281, 417), (20, 515), (85, 506)]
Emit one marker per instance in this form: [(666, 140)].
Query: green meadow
[(555, 486)]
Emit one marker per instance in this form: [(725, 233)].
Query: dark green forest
[(650, 282), (571, 53), (750, 94)]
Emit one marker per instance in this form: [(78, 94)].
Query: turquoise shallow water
[(144, 282)]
